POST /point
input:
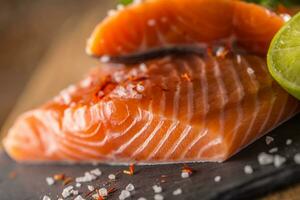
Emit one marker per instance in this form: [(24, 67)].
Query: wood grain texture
[(59, 55)]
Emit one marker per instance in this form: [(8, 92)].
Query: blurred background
[(43, 39)]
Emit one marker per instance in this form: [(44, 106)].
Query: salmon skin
[(173, 109), (183, 108)]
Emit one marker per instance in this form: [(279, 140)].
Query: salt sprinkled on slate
[(248, 169), (103, 192), (265, 159), (185, 175), (269, 140), (158, 197), (79, 198), (50, 181), (96, 172), (75, 192), (289, 142), (129, 187), (78, 185), (273, 150), (157, 189), (67, 191), (142, 198), (297, 158), (124, 195), (177, 192), (217, 179), (279, 160), (111, 177), (90, 187), (46, 197)]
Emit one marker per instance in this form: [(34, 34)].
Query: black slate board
[(30, 184)]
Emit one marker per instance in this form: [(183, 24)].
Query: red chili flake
[(187, 169), (186, 77), (59, 177), (130, 171), (67, 181), (111, 190)]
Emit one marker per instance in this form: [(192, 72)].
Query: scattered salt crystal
[(157, 189), (105, 59), (79, 198), (96, 172), (120, 7), (239, 59), (151, 22), (142, 198), (95, 196), (289, 141), (86, 178), (269, 140), (111, 12), (273, 150), (60, 199), (78, 185), (143, 67), (67, 191), (124, 195), (111, 177), (265, 159), (46, 197), (185, 175), (250, 70), (140, 88), (220, 51), (285, 17), (129, 187), (50, 180), (217, 178), (248, 169), (177, 192), (75, 192), (158, 197), (297, 158), (103, 192), (91, 188), (279, 160)]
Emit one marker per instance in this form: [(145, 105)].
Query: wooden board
[(65, 63)]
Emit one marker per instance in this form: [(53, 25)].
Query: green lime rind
[(284, 56)]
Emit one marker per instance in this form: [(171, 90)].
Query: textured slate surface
[(30, 184)]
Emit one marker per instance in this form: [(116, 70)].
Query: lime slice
[(284, 56)]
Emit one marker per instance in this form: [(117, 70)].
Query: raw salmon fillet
[(176, 108)]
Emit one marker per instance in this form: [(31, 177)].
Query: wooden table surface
[(41, 40)]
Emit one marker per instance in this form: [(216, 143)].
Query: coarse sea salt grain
[(46, 197), (78, 185), (269, 140), (185, 175), (79, 198), (75, 192), (124, 195), (91, 188), (217, 179), (289, 142), (279, 160), (129, 187), (157, 188), (96, 172), (67, 191), (142, 198), (151, 22), (265, 159), (112, 177), (105, 59), (86, 178), (273, 150), (248, 169), (158, 197), (143, 67), (297, 158), (177, 192), (50, 181), (103, 192)]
